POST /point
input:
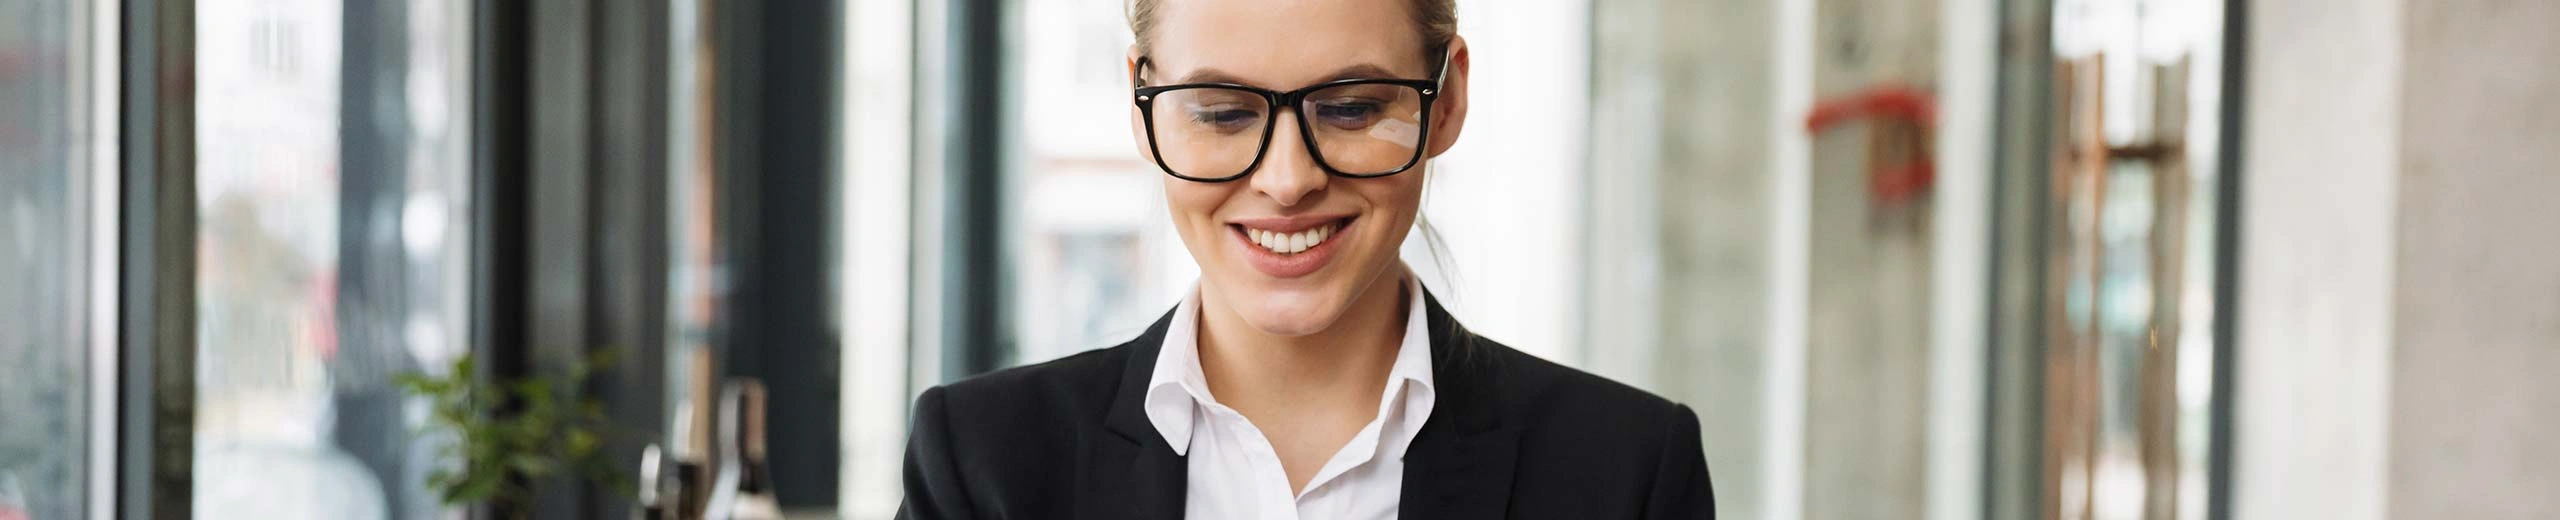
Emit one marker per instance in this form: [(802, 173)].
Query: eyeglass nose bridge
[(1295, 177), (1293, 101), (1306, 137)]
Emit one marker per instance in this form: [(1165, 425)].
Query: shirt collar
[(1177, 386), (1177, 383)]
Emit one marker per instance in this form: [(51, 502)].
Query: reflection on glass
[(879, 118), (330, 188), (46, 198), (2130, 361), (1095, 261)]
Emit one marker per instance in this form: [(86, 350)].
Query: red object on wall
[(1891, 104)]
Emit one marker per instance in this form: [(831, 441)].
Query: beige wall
[(2400, 305), (2319, 155), (1691, 204), (2475, 399), (1867, 330), (1682, 222)]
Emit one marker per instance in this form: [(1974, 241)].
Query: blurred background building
[(1946, 259)]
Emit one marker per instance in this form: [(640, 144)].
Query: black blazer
[(1511, 436)]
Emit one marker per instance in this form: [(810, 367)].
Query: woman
[(1309, 376)]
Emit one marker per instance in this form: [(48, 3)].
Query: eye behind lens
[(1349, 116)]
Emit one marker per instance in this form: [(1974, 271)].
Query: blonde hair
[(1436, 21)]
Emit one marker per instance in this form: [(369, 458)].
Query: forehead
[(1283, 43)]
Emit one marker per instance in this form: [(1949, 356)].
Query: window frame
[(143, 398), (156, 264)]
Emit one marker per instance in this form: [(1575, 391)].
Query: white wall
[(1508, 197), (2400, 315), (2475, 409), (2314, 323)]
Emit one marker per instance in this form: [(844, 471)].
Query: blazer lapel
[(1459, 465), (1132, 473)]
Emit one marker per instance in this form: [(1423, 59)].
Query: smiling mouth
[(1292, 242)]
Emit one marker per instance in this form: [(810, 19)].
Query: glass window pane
[(1094, 260), (48, 227), (879, 135), (2138, 82), (332, 190)]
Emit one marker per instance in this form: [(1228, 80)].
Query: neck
[(1341, 368)]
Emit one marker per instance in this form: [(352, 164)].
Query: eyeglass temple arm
[(1437, 78)]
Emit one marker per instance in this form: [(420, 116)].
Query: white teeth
[(1291, 243)]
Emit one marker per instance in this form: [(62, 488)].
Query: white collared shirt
[(1236, 474)]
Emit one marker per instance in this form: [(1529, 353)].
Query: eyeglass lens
[(1358, 129)]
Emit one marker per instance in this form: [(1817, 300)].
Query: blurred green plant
[(510, 434)]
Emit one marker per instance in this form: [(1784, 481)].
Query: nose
[(1288, 173)]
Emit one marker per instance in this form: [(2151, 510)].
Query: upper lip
[(1290, 224)]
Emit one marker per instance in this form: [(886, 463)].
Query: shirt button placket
[(1267, 463)]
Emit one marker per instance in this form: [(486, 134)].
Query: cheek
[(1189, 199), (1194, 206), (1398, 197)]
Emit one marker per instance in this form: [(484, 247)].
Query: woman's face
[(1348, 230)]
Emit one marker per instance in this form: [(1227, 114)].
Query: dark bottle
[(682, 484), (656, 501), (742, 488), (756, 499)]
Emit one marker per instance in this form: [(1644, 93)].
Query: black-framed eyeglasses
[(1357, 128)]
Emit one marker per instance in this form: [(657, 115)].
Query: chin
[(1287, 313)]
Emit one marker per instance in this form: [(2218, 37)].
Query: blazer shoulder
[(1591, 445), (993, 442), (1072, 386)]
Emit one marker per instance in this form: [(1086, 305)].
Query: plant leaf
[(529, 464)]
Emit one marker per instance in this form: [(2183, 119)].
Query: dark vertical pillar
[(569, 238), (2226, 257), (627, 280), (974, 284), (560, 226), (777, 97), (499, 147), (372, 271), (2014, 416), (156, 347)]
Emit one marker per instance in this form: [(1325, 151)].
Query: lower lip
[(1278, 265)]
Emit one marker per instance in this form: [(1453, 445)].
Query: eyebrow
[(1360, 71)]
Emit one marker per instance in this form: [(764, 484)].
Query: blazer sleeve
[(933, 484), (1680, 485)]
